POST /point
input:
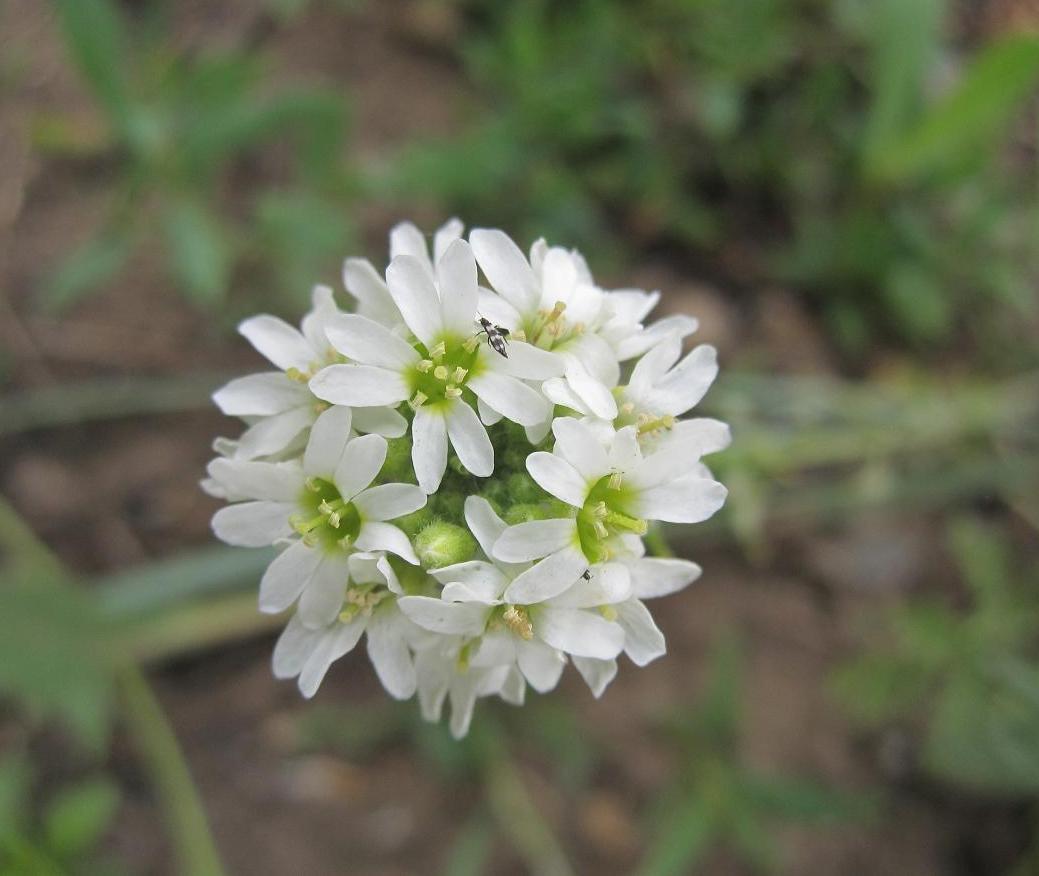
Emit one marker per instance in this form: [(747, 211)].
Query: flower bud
[(444, 544)]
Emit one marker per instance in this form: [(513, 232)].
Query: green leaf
[(905, 36), (918, 302), (681, 842), (198, 251), (96, 261), (803, 801), (54, 655), (77, 818), (879, 687), (15, 776), (94, 35), (962, 130), (470, 850)]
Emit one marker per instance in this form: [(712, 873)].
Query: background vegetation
[(845, 192)]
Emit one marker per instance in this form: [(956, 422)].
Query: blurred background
[(844, 193)]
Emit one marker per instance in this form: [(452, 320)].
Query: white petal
[(380, 421), (390, 655), (557, 476), (687, 382), (359, 385), (535, 539), (540, 664), (273, 434), (593, 393), (486, 586), (287, 575), (483, 522), (407, 239), (513, 399), (273, 481), (488, 415), (445, 235), (606, 584), (637, 344), (514, 688), (625, 454), (259, 395), (539, 431), (322, 598), (654, 365), (548, 578), (456, 279), (662, 576), (253, 524), (463, 699), (580, 447), (368, 343), (643, 641), (450, 618), (322, 309), (389, 501), (469, 439), (429, 447), (434, 679), (294, 646), (579, 632), (339, 640), (596, 673), (361, 461), (373, 298), (411, 286), (328, 440), (278, 341), (505, 267), (532, 363), (495, 308), (698, 436), (558, 275), (558, 391), (377, 536), (689, 499)]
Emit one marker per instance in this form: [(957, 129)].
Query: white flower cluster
[(462, 471)]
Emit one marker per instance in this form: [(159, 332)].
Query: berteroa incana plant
[(463, 467)]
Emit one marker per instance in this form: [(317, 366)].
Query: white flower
[(553, 303), (277, 404), (454, 603), (370, 607), (614, 491), (327, 504), (441, 371), (496, 606)]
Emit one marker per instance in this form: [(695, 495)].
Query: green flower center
[(549, 329), (605, 515), (325, 518), (442, 372)]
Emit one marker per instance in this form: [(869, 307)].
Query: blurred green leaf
[(681, 842), (92, 264), (54, 656), (918, 302), (77, 817), (15, 777), (904, 36), (93, 30), (198, 251), (470, 850), (962, 130)]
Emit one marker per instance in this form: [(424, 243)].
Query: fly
[(497, 336)]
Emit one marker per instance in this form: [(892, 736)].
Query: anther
[(459, 374), (452, 391), (608, 612), (334, 519), (297, 375), (313, 484), (600, 529), (516, 619), (439, 351), (615, 480), (418, 400), (424, 365), (471, 343)]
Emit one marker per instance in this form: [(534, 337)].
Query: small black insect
[(587, 574), (497, 336)]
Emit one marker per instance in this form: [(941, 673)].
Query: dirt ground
[(108, 496)]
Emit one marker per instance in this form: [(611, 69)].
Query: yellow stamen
[(517, 620), (424, 366)]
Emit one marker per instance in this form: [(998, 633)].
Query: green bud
[(444, 544), (415, 522)]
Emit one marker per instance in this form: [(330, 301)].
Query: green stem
[(157, 745)]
